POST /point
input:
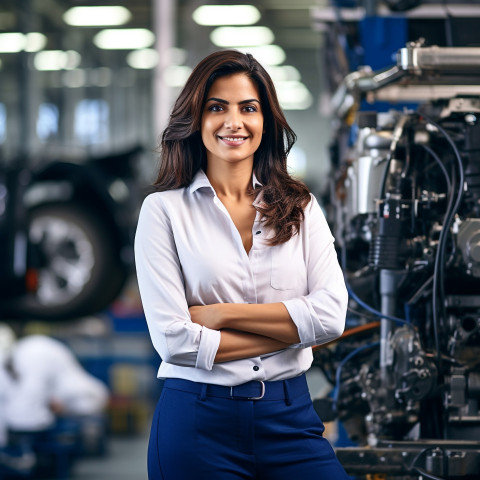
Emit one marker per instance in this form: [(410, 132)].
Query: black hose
[(439, 265), (434, 155)]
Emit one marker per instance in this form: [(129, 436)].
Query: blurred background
[(85, 91)]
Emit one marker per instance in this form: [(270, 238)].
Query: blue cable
[(343, 259), (375, 312), (336, 391)]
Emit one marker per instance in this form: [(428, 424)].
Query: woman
[(239, 278)]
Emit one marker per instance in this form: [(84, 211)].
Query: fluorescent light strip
[(124, 38), (226, 15), (12, 42), (35, 41), (177, 75), (283, 73), (16, 42), (266, 54), (56, 60), (96, 16), (293, 95), (145, 58), (241, 36)]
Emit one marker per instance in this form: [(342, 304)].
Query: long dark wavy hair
[(183, 153)]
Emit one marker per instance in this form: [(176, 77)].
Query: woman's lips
[(232, 141)]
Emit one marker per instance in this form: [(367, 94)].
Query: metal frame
[(445, 458), (421, 73)]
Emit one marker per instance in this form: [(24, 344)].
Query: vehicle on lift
[(406, 215), (67, 235)]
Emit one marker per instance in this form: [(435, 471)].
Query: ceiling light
[(144, 59), (124, 38), (241, 36), (283, 73), (293, 95), (12, 42), (16, 42), (56, 60), (176, 75), (35, 41), (226, 15), (96, 16), (178, 56), (266, 54)]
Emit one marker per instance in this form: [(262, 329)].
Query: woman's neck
[(232, 181)]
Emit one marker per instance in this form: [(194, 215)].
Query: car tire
[(79, 272)]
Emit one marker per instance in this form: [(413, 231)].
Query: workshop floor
[(126, 460)]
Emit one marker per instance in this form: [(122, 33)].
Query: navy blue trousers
[(205, 432)]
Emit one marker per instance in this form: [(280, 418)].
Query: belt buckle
[(262, 393)]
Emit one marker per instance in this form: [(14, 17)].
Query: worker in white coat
[(49, 381)]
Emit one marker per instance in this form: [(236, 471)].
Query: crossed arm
[(247, 330)]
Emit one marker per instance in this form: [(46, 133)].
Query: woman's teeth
[(233, 139)]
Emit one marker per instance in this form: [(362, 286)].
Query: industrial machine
[(405, 208)]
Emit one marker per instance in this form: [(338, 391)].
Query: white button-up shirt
[(189, 252)]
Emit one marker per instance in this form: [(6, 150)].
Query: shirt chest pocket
[(287, 269)]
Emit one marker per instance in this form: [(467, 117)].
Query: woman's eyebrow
[(220, 100)]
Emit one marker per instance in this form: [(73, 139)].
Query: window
[(92, 121), (47, 121)]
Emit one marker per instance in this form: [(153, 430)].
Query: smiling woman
[(239, 278)]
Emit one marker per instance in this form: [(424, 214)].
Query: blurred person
[(7, 341), (49, 396), (49, 381), (238, 277)]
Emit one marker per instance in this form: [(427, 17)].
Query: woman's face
[(232, 120)]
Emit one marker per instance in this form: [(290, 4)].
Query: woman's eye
[(215, 108), (250, 108)]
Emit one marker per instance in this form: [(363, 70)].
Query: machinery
[(406, 214)]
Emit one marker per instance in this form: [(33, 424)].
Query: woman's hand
[(209, 316)]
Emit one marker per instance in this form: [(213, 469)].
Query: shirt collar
[(200, 180), (255, 182)]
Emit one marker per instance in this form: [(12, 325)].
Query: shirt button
[(256, 368)]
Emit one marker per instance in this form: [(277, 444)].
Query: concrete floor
[(126, 460)]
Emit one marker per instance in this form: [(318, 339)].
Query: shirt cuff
[(299, 312), (207, 349)]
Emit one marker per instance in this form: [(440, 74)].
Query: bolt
[(470, 118), (418, 361)]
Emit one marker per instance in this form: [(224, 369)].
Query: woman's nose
[(233, 121)]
